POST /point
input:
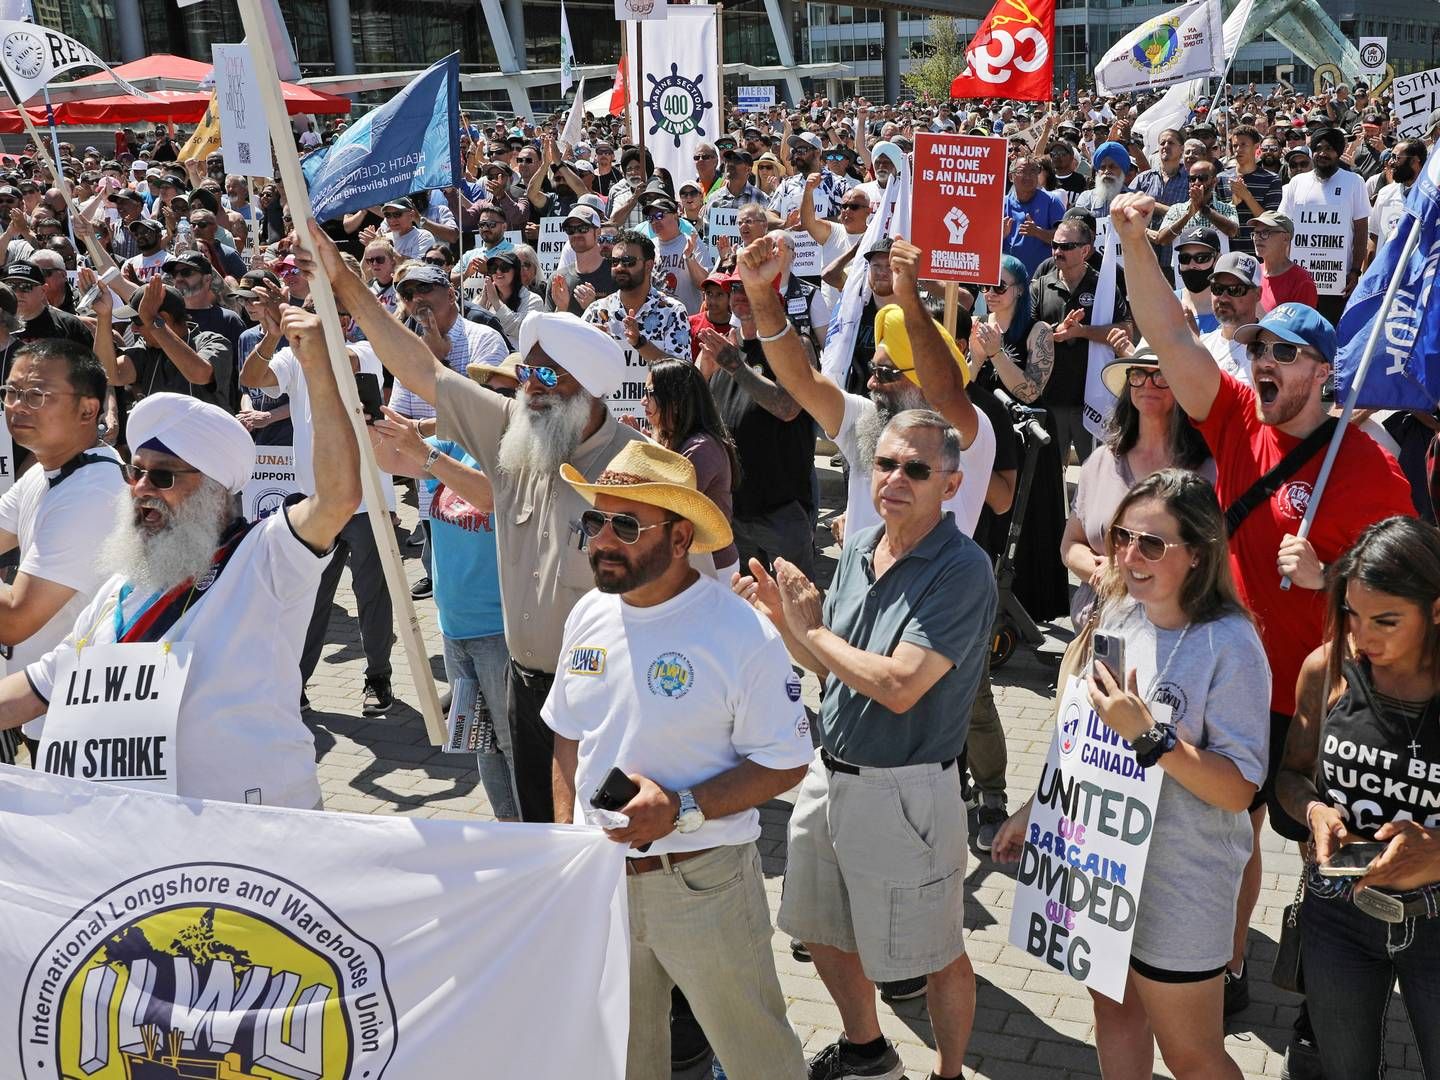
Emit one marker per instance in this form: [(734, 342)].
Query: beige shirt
[(543, 568)]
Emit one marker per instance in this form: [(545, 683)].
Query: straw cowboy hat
[(481, 372), (646, 472)]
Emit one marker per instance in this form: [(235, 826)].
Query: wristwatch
[(431, 458), (1152, 745), (691, 817), (640, 342)]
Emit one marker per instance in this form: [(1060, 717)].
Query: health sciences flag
[(34, 56), (1011, 55), (1405, 373), (678, 93), (408, 144), (144, 932), (1181, 44)]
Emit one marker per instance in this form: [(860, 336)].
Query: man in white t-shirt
[(282, 374), (54, 513), (834, 237), (670, 678), (1235, 300), (149, 237), (1331, 212), (854, 422), (185, 570)]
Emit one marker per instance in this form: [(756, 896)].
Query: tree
[(930, 75)]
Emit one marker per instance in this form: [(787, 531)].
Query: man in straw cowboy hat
[(672, 679)]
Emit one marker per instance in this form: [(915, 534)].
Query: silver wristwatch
[(431, 458), (691, 817)]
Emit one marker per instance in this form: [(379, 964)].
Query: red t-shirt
[(1294, 284), (1365, 486), (699, 322)]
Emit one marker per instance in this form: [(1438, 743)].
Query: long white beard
[(870, 424), (1106, 188), (182, 550), (541, 439)]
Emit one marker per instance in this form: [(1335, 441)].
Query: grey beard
[(868, 427), (182, 550), (540, 440), (1106, 188)]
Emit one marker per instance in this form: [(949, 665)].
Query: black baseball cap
[(171, 303), (191, 260), (24, 271)]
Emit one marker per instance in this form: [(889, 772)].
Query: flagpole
[(298, 195), (639, 90), (55, 145), (1377, 330), (720, 66)]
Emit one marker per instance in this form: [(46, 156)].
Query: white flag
[(33, 56), (1098, 400), (1173, 109), (574, 128), (678, 93), (145, 935), (567, 54), (1181, 44)]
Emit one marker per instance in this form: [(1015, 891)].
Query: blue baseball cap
[(1298, 324), (1112, 151)]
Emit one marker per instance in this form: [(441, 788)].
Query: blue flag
[(1405, 371), (410, 143)]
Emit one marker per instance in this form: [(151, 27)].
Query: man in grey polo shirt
[(875, 875)]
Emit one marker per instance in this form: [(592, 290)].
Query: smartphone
[(614, 791), (1352, 860), (1109, 649), (368, 387)]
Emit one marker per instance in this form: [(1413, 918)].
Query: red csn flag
[(1011, 55)]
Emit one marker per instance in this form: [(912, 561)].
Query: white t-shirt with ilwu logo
[(58, 528), (240, 737), (678, 692)]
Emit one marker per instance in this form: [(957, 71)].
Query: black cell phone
[(614, 791), (368, 387), (1352, 859)]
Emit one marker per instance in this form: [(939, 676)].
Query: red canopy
[(178, 106)]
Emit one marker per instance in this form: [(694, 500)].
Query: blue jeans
[(1351, 962), (485, 659)]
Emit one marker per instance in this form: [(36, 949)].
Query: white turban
[(202, 435), (581, 348)]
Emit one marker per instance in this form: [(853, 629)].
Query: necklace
[(1160, 675)]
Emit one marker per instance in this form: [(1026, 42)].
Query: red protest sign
[(957, 202)]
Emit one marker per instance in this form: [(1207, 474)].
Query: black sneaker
[(902, 989), (688, 1044), (835, 1063), (422, 589), (1302, 1056), (989, 818), (799, 951), (1237, 990), (378, 698)]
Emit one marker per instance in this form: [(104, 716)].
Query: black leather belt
[(836, 765)]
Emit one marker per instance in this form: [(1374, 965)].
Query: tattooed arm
[(1028, 383)]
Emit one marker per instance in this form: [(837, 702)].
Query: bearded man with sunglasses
[(1251, 429)]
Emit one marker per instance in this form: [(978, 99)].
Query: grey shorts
[(876, 866)]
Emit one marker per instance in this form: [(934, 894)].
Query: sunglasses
[(913, 470), (376, 260), (606, 239), (656, 215), (1136, 377), (22, 287), (545, 376), (1228, 290), (436, 262), (1283, 352), (765, 167), (886, 373), (576, 230), (854, 206), (704, 157), (1152, 547), (836, 157), (997, 289), (1065, 245), (395, 214), (495, 266), (627, 527), (623, 260), (410, 292), (492, 224), (1185, 258), (163, 479)]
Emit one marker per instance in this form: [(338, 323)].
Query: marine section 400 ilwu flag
[(678, 93), (1182, 44), (408, 144), (1405, 373), (34, 56), (144, 936)]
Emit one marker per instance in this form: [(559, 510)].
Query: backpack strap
[(1285, 468)]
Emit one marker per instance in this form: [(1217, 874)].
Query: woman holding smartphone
[(1192, 702), (1367, 726)]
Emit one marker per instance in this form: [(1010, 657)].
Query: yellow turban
[(890, 332)]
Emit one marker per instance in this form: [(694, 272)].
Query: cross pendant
[(1414, 748)]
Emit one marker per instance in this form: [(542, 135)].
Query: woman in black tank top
[(1362, 763)]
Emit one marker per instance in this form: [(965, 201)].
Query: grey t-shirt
[(1217, 688)]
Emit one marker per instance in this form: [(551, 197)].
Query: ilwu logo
[(677, 104), (206, 971)]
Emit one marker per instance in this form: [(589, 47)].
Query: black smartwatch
[(641, 342), (1152, 745)]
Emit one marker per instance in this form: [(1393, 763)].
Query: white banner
[(723, 221), (34, 56), (244, 135), (567, 57), (754, 98), (1173, 108), (1415, 97), (1083, 861), (678, 95), (272, 481), (1182, 44), (550, 246), (631, 10), (809, 256), (1374, 55), (145, 935), (7, 457), (1098, 400)]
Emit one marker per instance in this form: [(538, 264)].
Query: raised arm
[(941, 378), (817, 227), (1186, 364), (759, 266), (157, 334), (119, 370)]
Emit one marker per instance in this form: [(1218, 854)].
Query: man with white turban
[(187, 570), (567, 370)]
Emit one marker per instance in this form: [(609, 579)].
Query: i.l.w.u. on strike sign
[(1083, 860)]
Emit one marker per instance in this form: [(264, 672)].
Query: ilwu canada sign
[(144, 936)]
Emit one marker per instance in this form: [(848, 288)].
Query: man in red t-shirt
[(1285, 281), (714, 313), (1292, 351)]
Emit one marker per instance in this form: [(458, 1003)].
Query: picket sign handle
[(301, 211), (99, 258), (1371, 344)]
